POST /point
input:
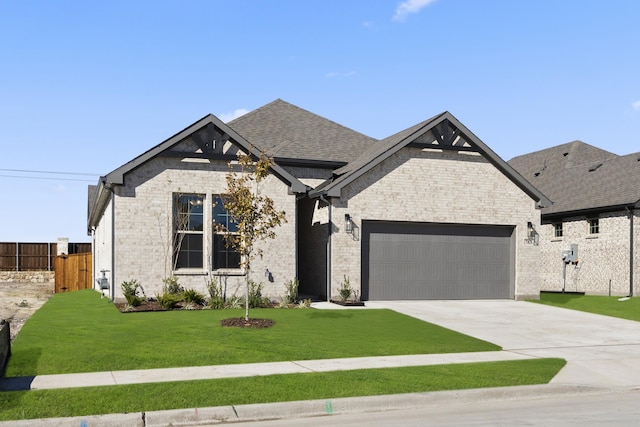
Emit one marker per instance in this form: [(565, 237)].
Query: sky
[(87, 86)]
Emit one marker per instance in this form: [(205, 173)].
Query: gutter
[(329, 232)]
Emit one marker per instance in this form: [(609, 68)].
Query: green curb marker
[(328, 407)]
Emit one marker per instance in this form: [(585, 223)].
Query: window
[(594, 226), (188, 229), (557, 229), (223, 257)]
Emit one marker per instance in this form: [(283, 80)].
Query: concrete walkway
[(93, 379)]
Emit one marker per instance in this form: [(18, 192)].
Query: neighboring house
[(596, 196), (428, 213)]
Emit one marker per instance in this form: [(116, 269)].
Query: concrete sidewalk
[(93, 379)]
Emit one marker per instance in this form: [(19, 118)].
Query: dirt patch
[(19, 300), (241, 322)]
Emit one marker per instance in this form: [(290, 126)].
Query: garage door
[(409, 261)]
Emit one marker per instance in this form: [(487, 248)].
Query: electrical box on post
[(571, 255)]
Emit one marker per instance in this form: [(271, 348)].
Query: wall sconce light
[(532, 235), (348, 224)]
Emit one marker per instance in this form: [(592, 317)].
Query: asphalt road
[(619, 408)]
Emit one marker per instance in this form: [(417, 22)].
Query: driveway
[(600, 350)]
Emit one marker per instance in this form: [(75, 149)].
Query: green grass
[(79, 332), (608, 306), (276, 388)]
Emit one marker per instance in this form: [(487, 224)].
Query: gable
[(205, 140), (442, 133)]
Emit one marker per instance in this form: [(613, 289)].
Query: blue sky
[(86, 86)]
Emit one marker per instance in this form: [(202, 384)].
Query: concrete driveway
[(600, 351)]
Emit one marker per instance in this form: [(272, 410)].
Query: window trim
[(594, 226), (177, 230)]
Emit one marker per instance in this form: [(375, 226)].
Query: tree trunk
[(246, 296)]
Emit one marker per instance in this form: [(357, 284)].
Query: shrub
[(234, 302), (191, 296), (133, 292), (291, 293), (216, 297), (345, 289), (171, 286), (305, 303), (168, 300), (255, 295)]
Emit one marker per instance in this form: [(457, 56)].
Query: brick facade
[(143, 229), (604, 258), (438, 187)]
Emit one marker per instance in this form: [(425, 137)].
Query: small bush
[(133, 292), (216, 296), (171, 286), (345, 289), (234, 302), (256, 300), (291, 292), (305, 303), (169, 301), (191, 296)]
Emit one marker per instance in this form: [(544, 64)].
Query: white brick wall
[(604, 257), (143, 209), (441, 187)]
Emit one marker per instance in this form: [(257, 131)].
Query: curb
[(311, 408)]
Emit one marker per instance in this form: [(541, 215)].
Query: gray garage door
[(408, 261)]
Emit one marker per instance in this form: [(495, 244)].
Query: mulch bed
[(240, 322), (144, 306), (235, 322)]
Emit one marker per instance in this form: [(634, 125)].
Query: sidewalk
[(93, 379)]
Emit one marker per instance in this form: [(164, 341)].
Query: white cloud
[(368, 24), (227, 117), (636, 105), (408, 7)]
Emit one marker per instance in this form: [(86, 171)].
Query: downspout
[(329, 232), (631, 217), (113, 243)]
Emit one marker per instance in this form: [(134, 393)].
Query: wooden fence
[(34, 256), (73, 272)]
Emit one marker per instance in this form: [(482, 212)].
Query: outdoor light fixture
[(532, 235), (348, 224)]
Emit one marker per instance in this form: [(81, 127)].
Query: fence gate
[(73, 272)]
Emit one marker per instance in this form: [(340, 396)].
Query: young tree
[(253, 213)]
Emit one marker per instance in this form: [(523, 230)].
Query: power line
[(51, 172), (48, 178)]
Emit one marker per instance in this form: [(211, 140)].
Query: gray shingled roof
[(286, 131), (579, 177)]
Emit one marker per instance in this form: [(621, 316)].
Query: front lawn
[(274, 388), (608, 306), (79, 332)]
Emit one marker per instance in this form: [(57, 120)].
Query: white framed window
[(188, 231), (594, 225)]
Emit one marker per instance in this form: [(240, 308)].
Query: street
[(608, 409)]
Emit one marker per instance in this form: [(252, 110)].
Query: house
[(596, 197), (430, 212)]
